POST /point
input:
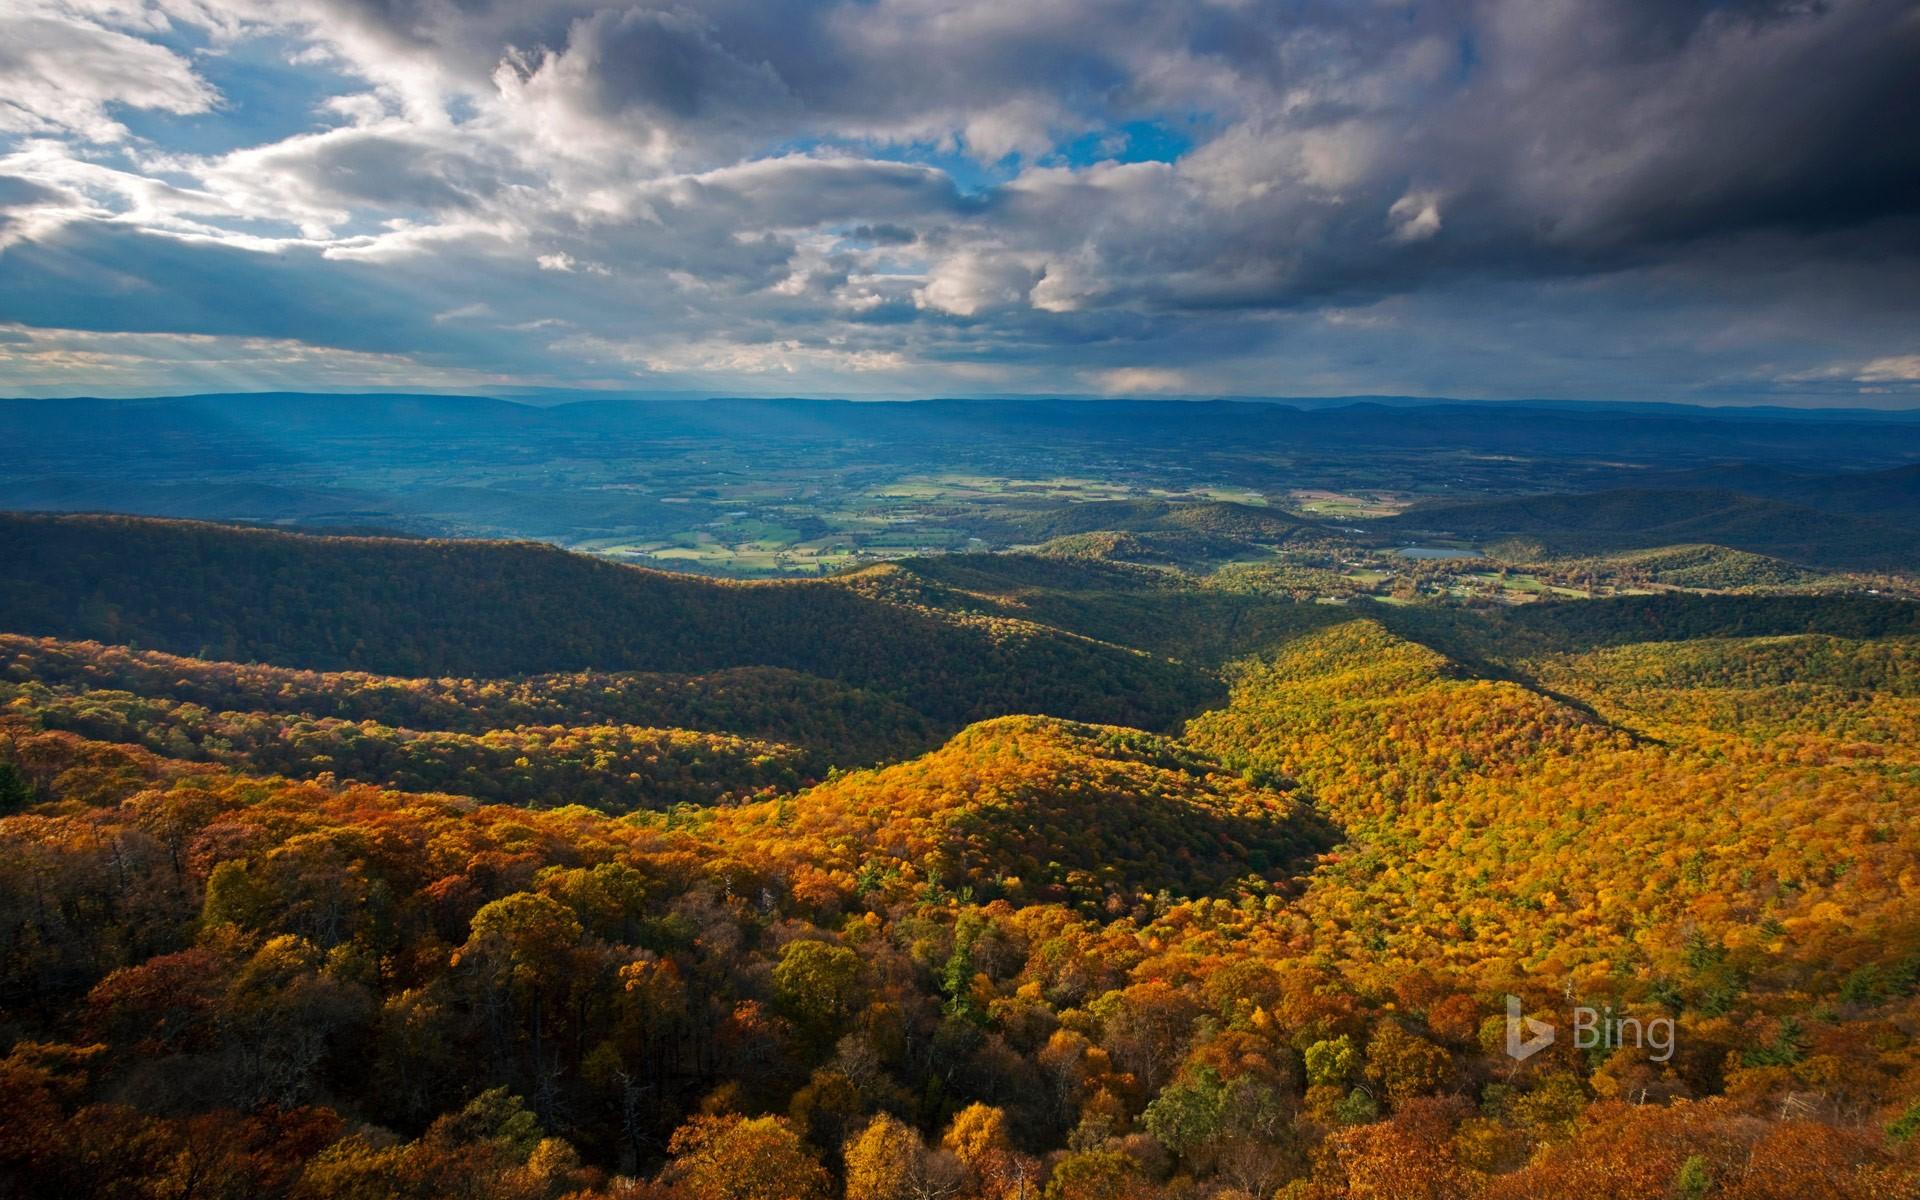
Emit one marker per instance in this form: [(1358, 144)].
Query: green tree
[(817, 984), (522, 945), (1187, 1114), (1694, 1180), (1331, 1061)]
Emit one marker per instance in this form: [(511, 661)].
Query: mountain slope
[(1032, 809), (1496, 829), (1632, 519), (842, 725), (1141, 954), (415, 607), (1702, 566), (1111, 601), (1888, 495)]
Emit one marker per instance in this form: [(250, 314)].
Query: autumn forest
[(376, 867)]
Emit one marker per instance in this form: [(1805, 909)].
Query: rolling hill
[(839, 724), (427, 608), (1704, 567), (1029, 809), (1635, 519), (1891, 495)]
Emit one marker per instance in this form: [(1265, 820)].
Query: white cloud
[(1068, 284), (61, 73), (1020, 126), (785, 357), (1139, 381), (1414, 217), (1897, 368), (976, 282)]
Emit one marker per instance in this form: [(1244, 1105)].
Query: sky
[(1672, 200)]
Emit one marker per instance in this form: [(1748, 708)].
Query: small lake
[(1434, 552)]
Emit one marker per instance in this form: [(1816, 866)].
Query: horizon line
[(563, 397)]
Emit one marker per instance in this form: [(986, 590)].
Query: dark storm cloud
[(1535, 143), (649, 63), (1660, 121)]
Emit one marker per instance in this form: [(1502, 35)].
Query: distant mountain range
[(261, 421), (1637, 519), (1825, 489), (560, 397)]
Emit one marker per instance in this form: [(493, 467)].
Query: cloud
[(1675, 197), (1414, 217), (975, 282), (324, 179), (110, 277), (61, 74), (1896, 368), (36, 360), (1132, 381), (664, 65)]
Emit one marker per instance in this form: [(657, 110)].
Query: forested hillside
[(1633, 519), (622, 922), (1025, 810), (1889, 495), (839, 724), (1705, 567), (419, 607)]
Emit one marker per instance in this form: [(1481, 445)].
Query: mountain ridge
[(433, 607)]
